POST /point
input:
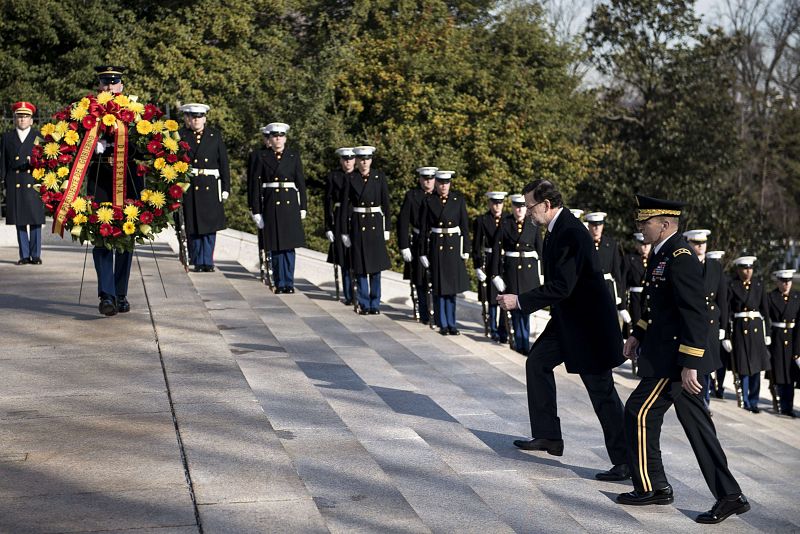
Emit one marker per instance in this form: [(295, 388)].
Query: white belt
[(415, 229), (783, 325), (368, 210), (524, 254), (616, 296), (336, 205), (455, 230), (636, 289), (205, 172), (278, 185), (748, 315), (608, 276), (488, 250)]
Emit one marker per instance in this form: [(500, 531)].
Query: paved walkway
[(220, 407)]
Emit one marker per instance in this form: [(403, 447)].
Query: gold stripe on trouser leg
[(642, 431)]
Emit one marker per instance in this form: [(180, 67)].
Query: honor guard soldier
[(784, 311), (669, 341), (334, 189), (365, 228), (716, 294), (485, 227), (444, 223), (610, 261), (635, 265), (24, 208), (724, 354), (210, 186), (113, 267), (410, 240), (515, 265), (277, 194), (749, 334)]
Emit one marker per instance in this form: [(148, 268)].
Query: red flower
[(126, 116), (176, 191), (138, 203), (174, 206), (58, 196), (141, 170), (158, 137), (159, 113), (52, 164), (37, 151), (61, 115), (64, 159), (46, 197), (154, 146), (149, 111), (72, 149), (186, 158), (117, 214), (116, 232), (105, 230), (96, 109), (95, 205), (158, 212), (172, 158), (146, 217), (89, 121), (73, 126), (184, 145), (161, 154), (93, 218), (112, 107), (71, 213)]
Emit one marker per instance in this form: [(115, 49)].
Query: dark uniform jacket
[(582, 314), (202, 204), (521, 273), (484, 229), (611, 264), (408, 235), (448, 272), (23, 204), (634, 266), (280, 206), (334, 189), (750, 354), (99, 181), (368, 253), (716, 293), (785, 345), (673, 330)]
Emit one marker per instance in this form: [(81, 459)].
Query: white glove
[(625, 316), (465, 256), (407, 257), (499, 283), (727, 345), (768, 340), (346, 240), (102, 144), (480, 274), (329, 235), (302, 214), (225, 195), (386, 235), (258, 219), (721, 334), (424, 261)]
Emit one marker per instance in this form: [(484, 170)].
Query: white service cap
[(444, 176), (345, 151), (578, 213), (364, 150), (279, 127), (496, 195), (427, 171), (517, 199), (700, 236), (195, 108), (784, 274), (715, 254), (596, 217), (745, 261)]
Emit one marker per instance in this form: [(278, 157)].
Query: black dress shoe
[(123, 306), (453, 331), (444, 331), (374, 311), (24, 261), (288, 290), (636, 498), (551, 446), (209, 268), (790, 413), (719, 394), (362, 311), (755, 409), (724, 508), (107, 307), (199, 268), (36, 261), (348, 302), (618, 472)]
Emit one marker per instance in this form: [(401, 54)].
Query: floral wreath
[(61, 157)]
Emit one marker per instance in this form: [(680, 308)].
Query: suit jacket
[(582, 314), (202, 205), (23, 203), (673, 330)]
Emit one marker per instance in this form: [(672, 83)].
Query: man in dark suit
[(669, 342), (210, 187), (583, 331)]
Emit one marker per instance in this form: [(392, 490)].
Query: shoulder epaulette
[(681, 251)]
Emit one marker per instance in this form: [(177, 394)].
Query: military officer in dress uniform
[(276, 190), (409, 239), (669, 342), (634, 265), (610, 261), (724, 355), (210, 186), (784, 311), (484, 229), (750, 329), (24, 208), (716, 293), (365, 222), (515, 265), (113, 267), (334, 187), (444, 225)]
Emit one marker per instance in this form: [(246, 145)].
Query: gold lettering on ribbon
[(76, 176), (120, 163)]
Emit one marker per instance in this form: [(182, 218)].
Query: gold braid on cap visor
[(643, 215)]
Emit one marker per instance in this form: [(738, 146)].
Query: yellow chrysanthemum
[(104, 214), (144, 127), (38, 173), (136, 107), (104, 98), (51, 181), (79, 205), (128, 227), (145, 194), (48, 129), (131, 212), (80, 218), (84, 103), (158, 126), (78, 113), (62, 171), (159, 163), (157, 199), (72, 137), (170, 144), (171, 125), (181, 166), (62, 127), (169, 174), (109, 119), (51, 150), (121, 100)]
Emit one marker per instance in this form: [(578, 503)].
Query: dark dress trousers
[(673, 333), (583, 333)]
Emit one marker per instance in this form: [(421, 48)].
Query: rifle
[(414, 298), (737, 382), (180, 233), (264, 255), (431, 312), (262, 265), (773, 388), (336, 278), (484, 298), (510, 329)]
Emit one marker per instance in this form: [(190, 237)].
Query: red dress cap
[(23, 107)]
